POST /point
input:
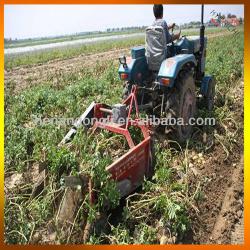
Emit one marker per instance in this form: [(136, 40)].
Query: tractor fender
[(137, 67), (171, 67)]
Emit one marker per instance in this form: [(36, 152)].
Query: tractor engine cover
[(119, 113)]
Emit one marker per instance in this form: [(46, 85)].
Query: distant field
[(72, 51), (47, 40), (59, 39)]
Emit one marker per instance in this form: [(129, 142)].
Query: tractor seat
[(156, 47)]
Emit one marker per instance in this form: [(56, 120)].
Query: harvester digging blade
[(75, 191), (76, 181), (88, 114), (67, 212)]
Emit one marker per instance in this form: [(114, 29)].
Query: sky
[(29, 21)]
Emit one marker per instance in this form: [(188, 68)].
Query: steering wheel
[(172, 34)]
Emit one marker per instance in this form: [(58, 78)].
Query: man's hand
[(177, 35), (171, 26)]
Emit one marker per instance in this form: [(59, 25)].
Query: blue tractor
[(170, 89)]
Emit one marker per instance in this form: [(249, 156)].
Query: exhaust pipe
[(202, 42)]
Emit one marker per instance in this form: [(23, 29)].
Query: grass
[(165, 204)]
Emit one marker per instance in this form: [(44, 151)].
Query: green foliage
[(225, 59), (28, 140), (119, 235), (60, 159), (105, 187), (145, 234)]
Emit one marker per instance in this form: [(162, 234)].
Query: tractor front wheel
[(209, 98)]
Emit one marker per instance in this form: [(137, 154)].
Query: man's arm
[(170, 37), (176, 36)]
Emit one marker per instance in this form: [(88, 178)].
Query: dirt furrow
[(237, 237), (220, 220), (232, 209), (23, 77)]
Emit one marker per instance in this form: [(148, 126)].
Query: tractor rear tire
[(181, 105), (126, 91)]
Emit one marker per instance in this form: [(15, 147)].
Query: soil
[(220, 218), (222, 209)]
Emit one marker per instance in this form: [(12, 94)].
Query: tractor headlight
[(124, 76)]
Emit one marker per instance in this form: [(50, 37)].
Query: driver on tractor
[(157, 38)]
